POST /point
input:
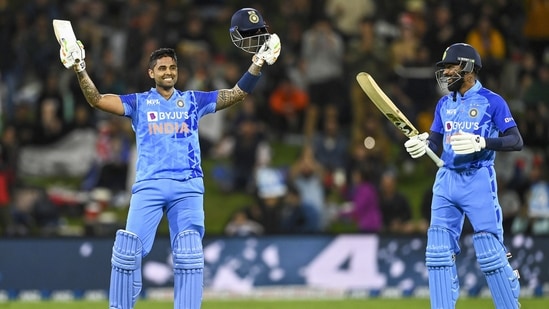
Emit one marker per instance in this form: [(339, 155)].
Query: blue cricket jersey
[(167, 132), (479, 111)]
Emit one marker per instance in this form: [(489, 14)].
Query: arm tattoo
[(89, 89), (229, 97)]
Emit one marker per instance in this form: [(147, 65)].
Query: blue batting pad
[(188, 264), (126, 280), (440, 262), (502, 281)]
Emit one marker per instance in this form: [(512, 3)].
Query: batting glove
[(73, 55), (466, 143), (269, 52), (416, 146)]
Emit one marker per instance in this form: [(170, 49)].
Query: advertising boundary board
[(349, 265)]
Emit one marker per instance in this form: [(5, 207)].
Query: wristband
[(248, 81)]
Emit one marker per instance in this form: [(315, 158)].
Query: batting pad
[(126, 271), (502, 281), (188, 264), (440, 262)]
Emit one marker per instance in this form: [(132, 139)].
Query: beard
[(455, 84)]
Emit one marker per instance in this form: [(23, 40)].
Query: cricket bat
[(67, 40), (63, 32), (389, 109)]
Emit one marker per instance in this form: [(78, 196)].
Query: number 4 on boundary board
[(389, 109)]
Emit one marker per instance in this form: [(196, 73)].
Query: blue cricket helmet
[(461, 53), (248, 30)]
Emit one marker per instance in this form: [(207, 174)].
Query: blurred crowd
[(350, 156)]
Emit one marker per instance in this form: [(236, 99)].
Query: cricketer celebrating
[(169, 177), (470, 124)]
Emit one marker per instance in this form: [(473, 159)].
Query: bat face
[(64, 32), (385, 105)]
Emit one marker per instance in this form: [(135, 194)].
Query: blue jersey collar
[(473, 90)]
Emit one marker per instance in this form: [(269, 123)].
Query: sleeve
[(511, 140), (206, 102), (130, 104), (437, 125), (501, 114)]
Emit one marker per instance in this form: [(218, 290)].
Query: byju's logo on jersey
[(152, 116), (160, 116), (461, 125)]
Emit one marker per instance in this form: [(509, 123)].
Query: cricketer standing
[(470, 124), (169, 177)]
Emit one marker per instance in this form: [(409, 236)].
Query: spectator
[(242, 226), (395, 206), (246, 147), (491, 46), (536, 27), (9, 153), (322, 52), (297, 216), (536, 100), (346, 14), (331, 146), (366, 52), (364, 208), (271, 189), (287, 103), (371, 147), (538, 200), (441, 31), (307, 175), (404, 48), (510, 203), (50, 128)]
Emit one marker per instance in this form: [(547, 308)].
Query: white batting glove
[(466, 143), (73, 55), (269, 52), (416, 146)]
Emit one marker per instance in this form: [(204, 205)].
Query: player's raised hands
[(416, 146), (269, 51), (73, 55)]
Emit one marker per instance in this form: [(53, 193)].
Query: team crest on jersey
[(473, 112), (180, 103)]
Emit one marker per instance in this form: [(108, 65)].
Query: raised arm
[(72, 56), (110, 103), (268, 53), (229, 97)]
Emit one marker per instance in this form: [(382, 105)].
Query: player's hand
[(73, 55), (466, 143), (416, 146), (269, 51)]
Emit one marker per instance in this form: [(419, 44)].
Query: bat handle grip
[(434, 157)]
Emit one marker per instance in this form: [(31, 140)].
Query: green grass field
[(412, 303)]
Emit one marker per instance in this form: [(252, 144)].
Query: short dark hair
[(160, 53)]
